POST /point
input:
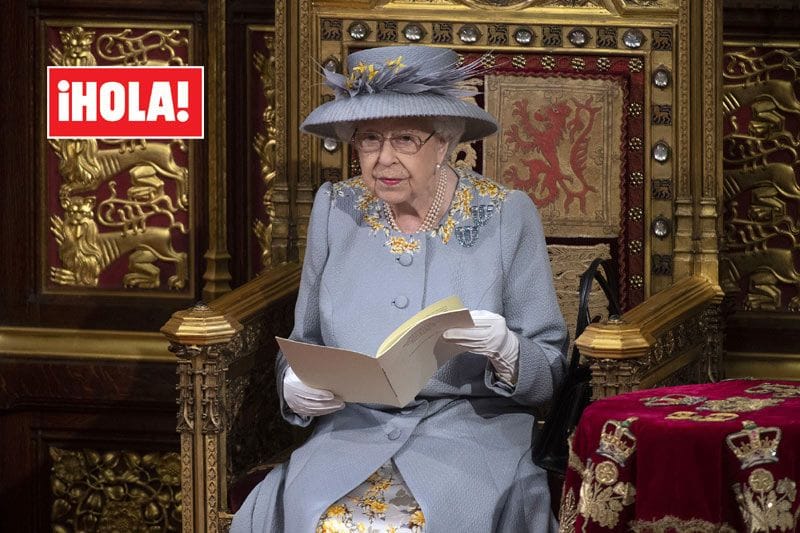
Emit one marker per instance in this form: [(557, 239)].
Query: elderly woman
[(381, 246)]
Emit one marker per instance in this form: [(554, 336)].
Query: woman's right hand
[(308, 401)]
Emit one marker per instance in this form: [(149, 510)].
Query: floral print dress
[(381, 504)]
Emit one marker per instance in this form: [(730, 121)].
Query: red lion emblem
[(544, 133)]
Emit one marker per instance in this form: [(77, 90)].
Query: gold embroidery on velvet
[(672, 399), (568, 514), (778, 390), (739, 404), (697, 417), (574, 462), (755, 445), (764, 505), (617, 441), (669, 524), (602, 497)]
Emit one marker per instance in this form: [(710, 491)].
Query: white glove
[(492, 338), (308, 401)]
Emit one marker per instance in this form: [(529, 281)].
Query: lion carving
[(84, 166), (85, 252)]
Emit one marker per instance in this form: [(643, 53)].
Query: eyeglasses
[(368, 142)]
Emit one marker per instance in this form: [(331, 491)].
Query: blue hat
[(396, 82)]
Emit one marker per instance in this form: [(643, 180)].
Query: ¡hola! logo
[(125, 102)]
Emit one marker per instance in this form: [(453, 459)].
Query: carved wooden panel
[(117, 212), (760, 266)]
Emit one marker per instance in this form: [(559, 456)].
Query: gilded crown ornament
[(755, 445), (617, 441)]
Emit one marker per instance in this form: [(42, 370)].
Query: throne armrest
[(228, 417), (673, 337)]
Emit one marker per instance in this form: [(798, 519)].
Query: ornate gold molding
[(674, 336), (641, 326), (266, 145), (84, 344), (217, 275), (206, 340)]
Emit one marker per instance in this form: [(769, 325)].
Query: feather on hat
[(400, 81)]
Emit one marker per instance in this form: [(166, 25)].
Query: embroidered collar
[(474, 202)]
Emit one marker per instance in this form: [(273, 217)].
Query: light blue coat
[(463, 446)]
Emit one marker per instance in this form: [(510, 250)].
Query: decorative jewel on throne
[(755, 445), (617, 441)]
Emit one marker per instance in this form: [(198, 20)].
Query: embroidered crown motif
[(755, 445), (739, 404), (672, 399), (778, 390), (617, 441)]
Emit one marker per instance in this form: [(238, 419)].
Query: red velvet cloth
[(684, 474)]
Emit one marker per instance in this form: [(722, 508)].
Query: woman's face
[(394, 176)]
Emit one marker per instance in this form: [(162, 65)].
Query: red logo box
[(125, 102)]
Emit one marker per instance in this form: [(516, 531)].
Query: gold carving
[(567, 263), (602, 497), (265, 144), (185, 390), (755, 445), (115, 491), (670, 524), (85, 252), (564, 152), (739, 404), (643, 3), (187, 491), (77, 51), (127, 49), (280, 225), (760, 187), (646, 348), (764, 505), (84, 166), (212, 484)]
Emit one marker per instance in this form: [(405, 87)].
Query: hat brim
[(322, 120)]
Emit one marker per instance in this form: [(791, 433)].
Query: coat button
[(400, 302), (394, 434), (405, 259)]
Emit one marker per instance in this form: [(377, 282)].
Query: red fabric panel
[(686, 469)]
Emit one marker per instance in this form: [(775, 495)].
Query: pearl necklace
[(431, 217)]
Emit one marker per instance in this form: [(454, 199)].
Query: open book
[(405, 361)]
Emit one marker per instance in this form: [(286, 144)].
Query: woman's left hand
[(490, 337)]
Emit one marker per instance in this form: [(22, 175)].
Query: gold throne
[(609, 120)]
